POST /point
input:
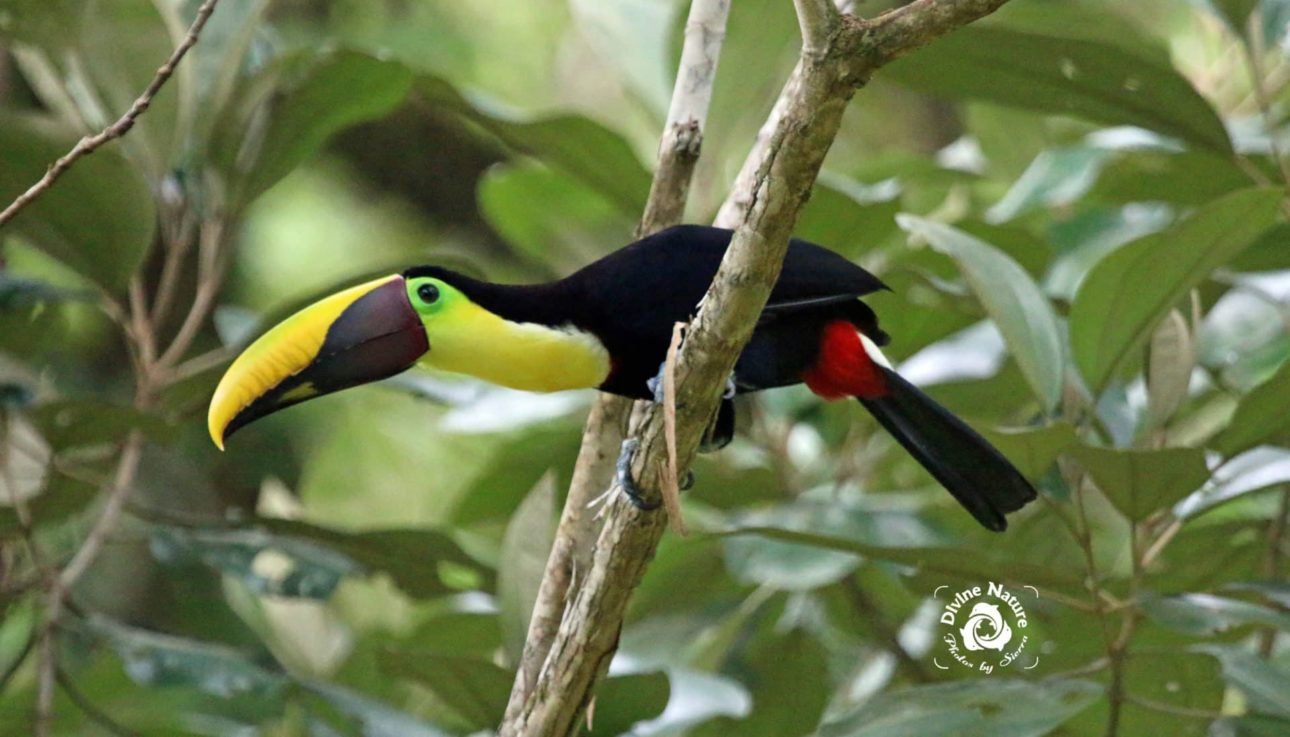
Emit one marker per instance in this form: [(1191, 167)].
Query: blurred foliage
[(1078, 206)]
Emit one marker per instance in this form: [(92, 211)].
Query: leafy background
[(1078, 204)]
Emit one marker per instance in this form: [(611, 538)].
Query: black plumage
[(631, 298)]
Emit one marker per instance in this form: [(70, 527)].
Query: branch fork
[(839, 55)]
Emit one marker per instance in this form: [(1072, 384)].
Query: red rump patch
[(844, 368)]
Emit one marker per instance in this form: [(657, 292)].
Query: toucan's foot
[(630, 488), (625, 480), (655, 385), (721, 430)]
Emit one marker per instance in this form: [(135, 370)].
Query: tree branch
[(817, 20), (89, 144), (141, 332), (678, 153), (870, 44), (812, 109)]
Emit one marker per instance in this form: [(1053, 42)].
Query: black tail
[(977, 474)]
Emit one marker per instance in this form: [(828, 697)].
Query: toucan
[(608, 326)]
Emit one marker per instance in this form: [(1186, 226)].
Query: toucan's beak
[(362, 334)]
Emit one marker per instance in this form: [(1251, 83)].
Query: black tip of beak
[(377, 336)]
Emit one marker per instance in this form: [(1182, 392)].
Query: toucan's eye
[(428, 293)]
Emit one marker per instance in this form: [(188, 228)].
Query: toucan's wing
[(792, 306)]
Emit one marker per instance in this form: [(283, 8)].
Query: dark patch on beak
[(377, 336)]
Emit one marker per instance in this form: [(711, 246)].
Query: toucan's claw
[(721, 430), (625, 480), (687, 481), (655, 383)]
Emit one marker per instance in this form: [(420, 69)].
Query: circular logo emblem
[(983, 628)]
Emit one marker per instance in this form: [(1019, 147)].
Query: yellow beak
[(359, 335)]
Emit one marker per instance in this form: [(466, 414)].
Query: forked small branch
[(90, 144)]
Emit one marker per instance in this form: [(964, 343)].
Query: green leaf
[(632, 35), (1083, 240), (795, 567), (218, 63), (1205, 615), (974, 565), (1056, 177), (72, 423), (377, 719), (1033, 451), (1118, 305), (788, 678), (1251, 726), (155, 659), (1265, 684), (623, 701), (1262, 416), (477, 634), (99, 217), (1140, 482), (290, 109), (1235, 13), (63, 497), (422, 562), (988, 707), (19, 293), (1010, 297), (1085, 78), (1180, 177), (526, 545), (851, 218), (1164, 672), (1080, 19), (1170, 360), (1256, 470), (308, 561), (586, 150), (301, 568), (474, 690), (551, 217)]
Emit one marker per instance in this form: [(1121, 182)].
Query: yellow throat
[(519, 355)]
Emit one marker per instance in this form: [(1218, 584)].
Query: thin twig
[(209, 280), (87, 707), (1182, 711), (47, 660), (19, 658), (1252, 51), (89, 144), (197, 365), (887, 633), (122, 484), (1272, 557), (178, 245), (1158, 545), (140, 326)]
